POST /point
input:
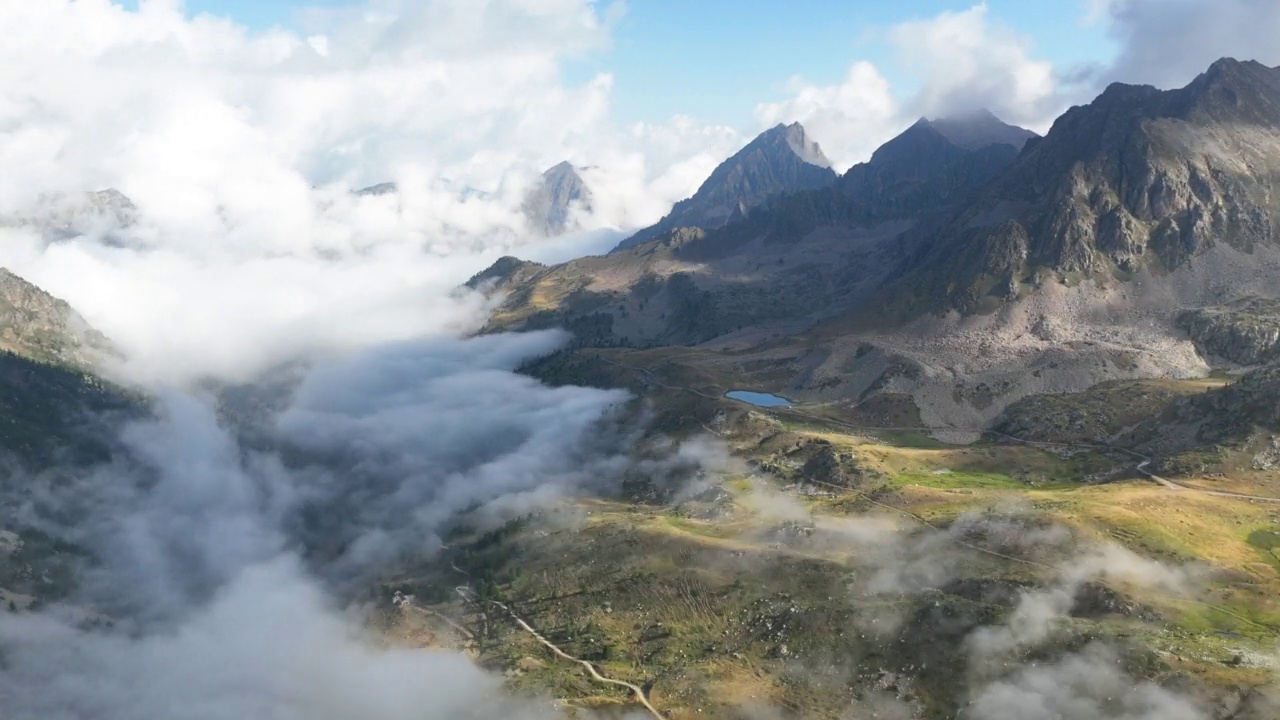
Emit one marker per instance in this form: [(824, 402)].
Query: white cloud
[(634, 188), (268, 645), (1096, 11), (239, 148), (1167, 43), (203, 122), (958, 62), (968, 62), (199, 540), (1091, 685), (849, 120)]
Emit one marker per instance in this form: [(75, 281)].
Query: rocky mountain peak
[(550, 202), (779, 161), (979, 129), (561, 170), (932, 164), (919, 148), (799, 142)]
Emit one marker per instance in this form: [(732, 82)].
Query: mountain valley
[(1021, 459), (978, 327)]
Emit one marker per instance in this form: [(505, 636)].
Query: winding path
[(469, 595), (590, 668), (1175, 485)]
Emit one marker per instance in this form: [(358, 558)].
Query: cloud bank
[(1167, 43), (223, 559)]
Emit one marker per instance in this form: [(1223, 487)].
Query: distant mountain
[(547, 207), (779, 161), (550, 203), (384, 188), (796, 257), (67, 215)]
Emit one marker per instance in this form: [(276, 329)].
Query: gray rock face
[(1246, 332), (779, 161), (1138, 179), (1269, 458), (36, 325), (550, 203), (932, 164), (1227, 415)]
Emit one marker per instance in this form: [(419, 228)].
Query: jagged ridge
[(779, 161)]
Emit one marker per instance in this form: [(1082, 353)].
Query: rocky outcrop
[(505, 271), (781, 160), (1246, 332), (550, 204), (1230, 416), (829, 466)]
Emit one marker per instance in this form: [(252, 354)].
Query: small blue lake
[(758, 399)]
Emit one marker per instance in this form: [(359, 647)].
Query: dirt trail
[(466, 593), (1175, 485), (636, 690), (405, 602)]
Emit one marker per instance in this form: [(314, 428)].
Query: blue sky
[(715, 59)]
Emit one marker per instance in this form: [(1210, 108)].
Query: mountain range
[(803, 251), (968, 263)]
